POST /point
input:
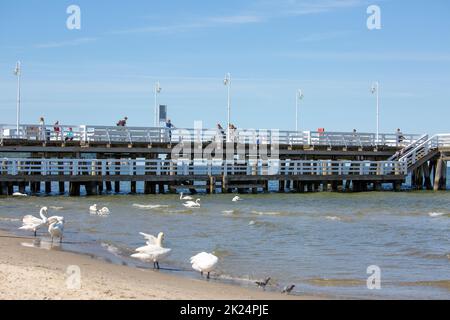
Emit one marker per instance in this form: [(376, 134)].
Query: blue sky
[(107, 69)]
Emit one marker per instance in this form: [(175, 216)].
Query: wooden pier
[(98, 160)]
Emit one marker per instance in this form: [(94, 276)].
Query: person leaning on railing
[(69, 135)]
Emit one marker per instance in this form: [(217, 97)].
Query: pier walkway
[(98, 156)]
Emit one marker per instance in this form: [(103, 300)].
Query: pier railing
[(133, 167), (115, 134)]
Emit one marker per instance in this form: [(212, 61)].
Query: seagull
[(236, 198), (56, 227), (288, 289), (185, 197), (192, 204), (153, 250), (263, 284), (31, 223), (204, 262)]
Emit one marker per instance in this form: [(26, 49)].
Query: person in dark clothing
[(122, 122)]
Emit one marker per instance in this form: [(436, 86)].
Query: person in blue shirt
[(169, 125)]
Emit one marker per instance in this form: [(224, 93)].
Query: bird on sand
[(263, 284)]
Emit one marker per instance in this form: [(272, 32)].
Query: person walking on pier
[(220, 132), (169, 126), (122, 122), (42, 128), (400, 137), (56, 129)]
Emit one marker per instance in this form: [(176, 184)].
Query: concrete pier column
[(212, 185), (224, 184), (62, 187), (133, 187), (22, 186), (438, 175), (281, 186), (427, 176), (74, 188), (100, 187), (48, 187), (266, 186)]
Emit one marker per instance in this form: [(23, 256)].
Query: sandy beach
[(34, 273)]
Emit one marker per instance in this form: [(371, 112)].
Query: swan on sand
[(192, 204), (153, 250), (185, 197), (204, 262)]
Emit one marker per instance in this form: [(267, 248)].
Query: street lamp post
[(298, 97), (157, 91), (376, 89), (227, 82), (17, 72)]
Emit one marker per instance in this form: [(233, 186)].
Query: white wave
[(10, 219), (436, 214), (228, 212), (269, 213), (251, 223), (333, 218), (150, 206), (56, 208)]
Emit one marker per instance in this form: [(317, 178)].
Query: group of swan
[(196, 204), (55, 224), (154, 252), (101, 212)]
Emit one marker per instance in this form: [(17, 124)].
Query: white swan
[(19, 194), (56, 227), (31, 223), (204, 262), (153, 251), (93, 208), (185, 197), (192, 204), (103, 211), (236, 198)]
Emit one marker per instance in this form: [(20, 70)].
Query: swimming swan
[(185, 197), (192, 204)]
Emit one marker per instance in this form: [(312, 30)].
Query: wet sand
[(35, 273)]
